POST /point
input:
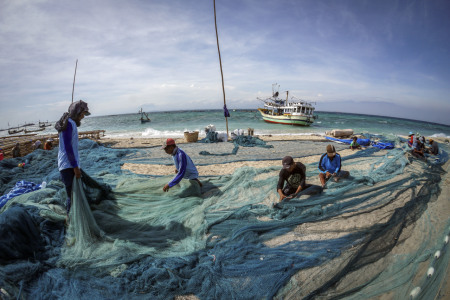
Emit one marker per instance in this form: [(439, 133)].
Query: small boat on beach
[(34, 130), (144, 116), (295, 112), (15, 131)]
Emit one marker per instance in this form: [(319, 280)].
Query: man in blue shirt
[(185, 168), (68, 157), (330, 166)]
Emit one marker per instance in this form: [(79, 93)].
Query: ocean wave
[(155, 133), (440, 135)]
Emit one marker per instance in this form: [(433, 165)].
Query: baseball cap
[(168, 142), (330, 149), (287, 162)]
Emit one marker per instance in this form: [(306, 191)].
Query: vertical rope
[(220, 62), (73, 87)]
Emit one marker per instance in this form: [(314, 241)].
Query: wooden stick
[(220, 62), (73, 87)]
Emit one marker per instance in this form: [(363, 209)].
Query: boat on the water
[(144, 116), (44, 124), (34, 130), (15, 131), (284, 111)]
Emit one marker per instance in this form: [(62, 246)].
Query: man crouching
[(185, 168)]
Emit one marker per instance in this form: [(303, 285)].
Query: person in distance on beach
[(48, 144), (16, 151), (417, 151), (434, 149), (330, 166), (184, 167), (412, 140), (354, 144), (68, 156)]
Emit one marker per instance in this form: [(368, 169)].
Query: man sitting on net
[(293, 173), (330, 166)]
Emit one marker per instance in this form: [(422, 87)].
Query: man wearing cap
[(330, 165), (185, 168), (293, 173), (68, 157)]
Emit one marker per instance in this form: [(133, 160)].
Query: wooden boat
[(295, 112), (15, 131), (144, 116), (44, 124), (34, 130)]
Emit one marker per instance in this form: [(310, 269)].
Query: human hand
[(77, 172), (176, 171), (166, 188)]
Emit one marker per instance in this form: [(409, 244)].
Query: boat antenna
[(225, 110), (73, 87)]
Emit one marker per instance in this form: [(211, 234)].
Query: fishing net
[(373, 234)]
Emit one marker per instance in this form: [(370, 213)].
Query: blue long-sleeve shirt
[(68, 147), (184, 165), (332, 165)]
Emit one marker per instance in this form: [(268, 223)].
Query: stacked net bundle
[(373, 234)]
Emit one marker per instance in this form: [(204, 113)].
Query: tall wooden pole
[(73, 87), (220, 62)]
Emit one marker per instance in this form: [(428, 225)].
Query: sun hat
[(287, 162), (411, 133), (330, 149), (168, 142)]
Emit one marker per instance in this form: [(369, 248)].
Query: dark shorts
[(308, 189)]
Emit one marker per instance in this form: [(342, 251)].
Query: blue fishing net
[(363, 237)]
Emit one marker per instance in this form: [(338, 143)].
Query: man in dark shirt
[(294, 175), (434, 149)]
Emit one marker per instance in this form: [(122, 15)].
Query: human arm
[(337, 157), (182, 163), (67, 136), (322, 168), (281, 178)]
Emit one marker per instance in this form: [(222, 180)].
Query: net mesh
[(373, 234)]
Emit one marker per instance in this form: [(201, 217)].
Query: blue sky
[(377, 57)]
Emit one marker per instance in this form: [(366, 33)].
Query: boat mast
[(226, 113), (74, 75), (287, 97)]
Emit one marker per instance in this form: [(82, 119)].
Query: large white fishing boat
[(293, 112)]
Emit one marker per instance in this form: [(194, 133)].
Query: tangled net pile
[(370, 235)]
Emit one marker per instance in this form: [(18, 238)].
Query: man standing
[(68, 157), (330, 166), (185, 168)]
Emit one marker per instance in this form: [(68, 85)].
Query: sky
[(383, 57)]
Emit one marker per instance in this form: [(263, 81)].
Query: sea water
[(175, 123)]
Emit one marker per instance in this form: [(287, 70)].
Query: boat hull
[(287, 119)]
